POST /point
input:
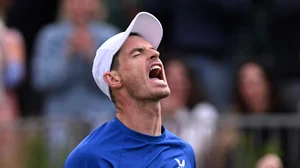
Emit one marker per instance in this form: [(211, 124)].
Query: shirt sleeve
[(189, 151), (85, 159)]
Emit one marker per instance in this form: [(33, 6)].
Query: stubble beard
[(139, 92)]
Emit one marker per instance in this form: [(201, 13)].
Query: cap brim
[(148, 26)]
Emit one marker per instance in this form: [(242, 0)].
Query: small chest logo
[(180, 164)]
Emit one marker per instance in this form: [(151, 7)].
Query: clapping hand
[(82, 42), (269, 161)]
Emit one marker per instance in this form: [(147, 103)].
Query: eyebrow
[(139, 49)]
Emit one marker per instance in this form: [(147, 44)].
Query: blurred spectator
[(185, 112), (256, 91), (12, 71), (121, 12), (62, 65), (208, 32), (63, 58), (12, 66)]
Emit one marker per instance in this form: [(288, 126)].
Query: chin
[(163, 94)]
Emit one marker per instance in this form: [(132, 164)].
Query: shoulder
[(186, 147), (86, 157), (98, 149), (189, 151), (103, 28), (170, 135), (183, 144), (13, 36), (101, 137)]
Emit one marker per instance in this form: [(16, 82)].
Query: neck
[(142, 117), (80, 25)]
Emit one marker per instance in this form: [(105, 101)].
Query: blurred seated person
[(62, 63), (185, 112), (12, 71)]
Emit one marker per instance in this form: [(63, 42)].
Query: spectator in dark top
[(284, 39)]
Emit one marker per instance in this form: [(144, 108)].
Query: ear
[(113, 79)]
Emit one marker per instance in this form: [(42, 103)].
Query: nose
[(154, 54)]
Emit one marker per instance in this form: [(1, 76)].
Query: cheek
[(253, 90), (133, 75), (245, 90), (263, 89), (134, 83)]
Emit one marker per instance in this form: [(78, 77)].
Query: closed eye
[(137, 51), (136, 54)]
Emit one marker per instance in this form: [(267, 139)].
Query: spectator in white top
[(185, 112)]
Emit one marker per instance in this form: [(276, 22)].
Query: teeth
[(155, 67)]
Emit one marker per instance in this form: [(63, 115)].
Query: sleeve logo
[(180, 164)]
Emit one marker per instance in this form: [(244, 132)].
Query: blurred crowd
[(221, 57)]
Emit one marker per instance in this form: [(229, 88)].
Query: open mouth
[(156, 72)]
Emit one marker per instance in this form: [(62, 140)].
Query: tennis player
[(128, 70)]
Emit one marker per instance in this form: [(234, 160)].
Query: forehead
[(134, 41), (251, 68)]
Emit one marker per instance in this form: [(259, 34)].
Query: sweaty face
[(141, 70)]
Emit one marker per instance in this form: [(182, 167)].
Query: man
[(128, 70)]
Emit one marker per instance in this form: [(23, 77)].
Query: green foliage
[(37, 154), (248, 152)]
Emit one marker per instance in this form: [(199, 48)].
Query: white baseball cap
[(144, 24)]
